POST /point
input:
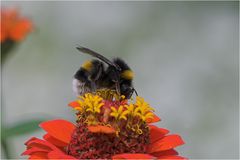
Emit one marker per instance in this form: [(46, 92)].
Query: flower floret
[(143, 109), (119, 113), (132, 110), (91, 103)]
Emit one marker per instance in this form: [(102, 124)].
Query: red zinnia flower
[(107, 127), (13, 27)]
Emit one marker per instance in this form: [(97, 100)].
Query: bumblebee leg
[(130, 93), (134, 90), (117, 85), (93, 86)]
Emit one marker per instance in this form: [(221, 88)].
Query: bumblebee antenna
[(97, 55)]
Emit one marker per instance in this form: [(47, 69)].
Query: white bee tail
[(76, 86)]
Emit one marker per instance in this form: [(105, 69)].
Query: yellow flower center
[(107, 108)]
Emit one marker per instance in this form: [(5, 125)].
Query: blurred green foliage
[(21, 128)]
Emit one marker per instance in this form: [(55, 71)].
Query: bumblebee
[(102, 73)]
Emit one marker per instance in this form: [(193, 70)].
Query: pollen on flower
[(108, 124)]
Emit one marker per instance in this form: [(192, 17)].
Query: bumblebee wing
[(99, 56)]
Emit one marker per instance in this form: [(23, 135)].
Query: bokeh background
[(184, 54)]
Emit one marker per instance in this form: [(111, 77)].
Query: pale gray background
[(184, 54)]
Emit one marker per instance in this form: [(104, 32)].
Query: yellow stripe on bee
[(87, 65), (127, 74)]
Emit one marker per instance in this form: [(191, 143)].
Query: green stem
[(5, 148), (6, 48), (4, 141)]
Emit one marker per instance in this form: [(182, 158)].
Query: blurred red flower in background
[(13, 26)]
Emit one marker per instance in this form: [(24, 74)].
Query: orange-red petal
[(57, 154), (133, 156), (38, 155), (38, 148), (13, 26), (3, 35), (74, 104), (172, 157), (42, 149), (32, 150), (156, 133), (154, 119), (101, 129), (166, 143), (169, 152), (41, 144), (31, 139), (59, 129), (54, 141), (21, 28)]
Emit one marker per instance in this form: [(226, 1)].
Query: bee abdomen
[(81, 75), (126, 73), (81, 82), (86, 79), (96, 70), (89, 71), (80, 88)]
